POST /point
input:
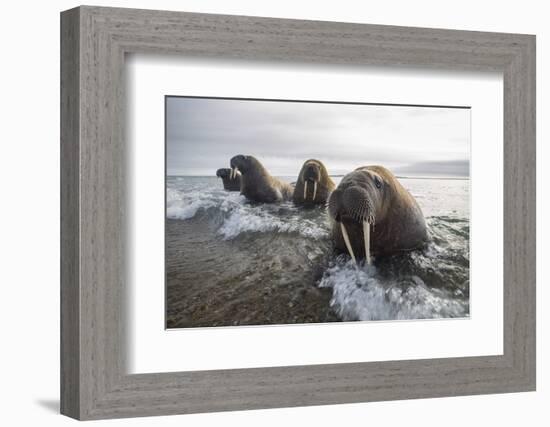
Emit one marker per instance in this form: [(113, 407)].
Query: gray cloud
[(203, 134)]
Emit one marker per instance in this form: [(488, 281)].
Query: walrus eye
[(377, 182)]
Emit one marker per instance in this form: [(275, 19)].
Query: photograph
[(285, 212)]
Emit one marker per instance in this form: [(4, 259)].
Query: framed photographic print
[(262, 213)]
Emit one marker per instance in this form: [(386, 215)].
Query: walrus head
[(313, 171), (355, 205), (243, 164), (226, 173), (223, 173)]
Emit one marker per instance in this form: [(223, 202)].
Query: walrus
[(230, 183), (371, 213), (313, 186), (257, 184)]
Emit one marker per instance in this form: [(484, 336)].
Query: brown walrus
[(230, 182), (372, 214), (314, 185), (257, 184)]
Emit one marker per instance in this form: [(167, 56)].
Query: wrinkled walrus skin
[(371, 196), (257, 185), (229, 183)]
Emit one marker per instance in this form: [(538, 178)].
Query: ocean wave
[(234, 215), (185, 205), (246, 220), (185, 210), (361, 293)]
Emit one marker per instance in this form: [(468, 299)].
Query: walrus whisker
[(359, 213), (366, 240), (314, 189), (348, 244), (305, 189)]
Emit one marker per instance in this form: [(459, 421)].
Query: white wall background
[(29, 242)]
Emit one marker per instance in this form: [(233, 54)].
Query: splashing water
[(235, 214), (363, 293)]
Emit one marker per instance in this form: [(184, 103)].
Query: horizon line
[(455, 177)]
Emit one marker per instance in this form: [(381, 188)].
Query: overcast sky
[(203, 134)]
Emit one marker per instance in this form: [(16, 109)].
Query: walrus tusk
[(233, 173), (346, 240), (305, 190), (314, 189), (366, 238)]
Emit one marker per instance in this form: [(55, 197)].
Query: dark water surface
[(230, 262)]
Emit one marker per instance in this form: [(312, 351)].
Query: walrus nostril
[(311, 174), (355, 193), (354, 197), (357, 203)]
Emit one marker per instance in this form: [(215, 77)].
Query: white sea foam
[(358, 293), (238, 216), (247, 220), (185, 205), (180, 209)]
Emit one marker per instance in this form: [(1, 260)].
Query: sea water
[(233, 262)]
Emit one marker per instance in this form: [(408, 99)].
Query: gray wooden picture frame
[(94, 381)]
